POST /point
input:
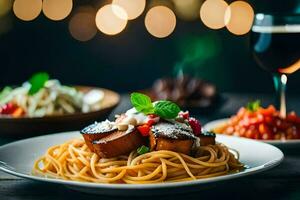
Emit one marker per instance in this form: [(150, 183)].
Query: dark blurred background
[(133, 59)]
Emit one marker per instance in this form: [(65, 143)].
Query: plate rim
[(10, 170), (273, 142)]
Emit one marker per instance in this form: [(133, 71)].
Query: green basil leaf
[(37, 81), (142, 150), (166, 109), (253, 106), (142, 103)]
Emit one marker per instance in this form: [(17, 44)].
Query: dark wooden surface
[(282, 182)]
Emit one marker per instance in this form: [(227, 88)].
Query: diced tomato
[(150, 122), (18, 112), (195, 124), (8, 109), (241, 112), (152, 115), (234, 120), (268, 119), (267, 111), (260, 117), (230, 130), (284, 125), (253, 121), (293, 117), (248, 134), (245, 122), (251, 114), (242, 132), (184, 115), (144, 129), (263, 129)]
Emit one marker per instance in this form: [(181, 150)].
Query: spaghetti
[(73, 160)]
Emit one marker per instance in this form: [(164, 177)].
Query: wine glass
[(275, 42)]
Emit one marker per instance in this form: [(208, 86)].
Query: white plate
[(279, 143), (17, 158)]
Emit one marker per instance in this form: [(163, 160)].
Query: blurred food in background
[(41, 97), (186, 91), (256, 122)]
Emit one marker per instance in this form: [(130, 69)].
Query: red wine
[(277, 48)]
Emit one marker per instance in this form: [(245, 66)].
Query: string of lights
[(160, 17)]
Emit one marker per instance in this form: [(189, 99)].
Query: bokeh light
[(57, 9), (239, 17), (5, 6), (133, 8), (27, 10), (110, 23), (291, 69), (212, 13), (160, 21), (82, 25), (187, 9)]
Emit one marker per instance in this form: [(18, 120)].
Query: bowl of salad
[(42, 105)]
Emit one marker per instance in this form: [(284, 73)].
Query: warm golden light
[(82, 24), (291, 69), (212, 13), (239, 17), (133, 8), (187, 9), (110, 23), (160, 21), (5, 6), (27, 10), (57, 9)]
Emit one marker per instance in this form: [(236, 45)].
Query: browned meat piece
[(118, 143), (180, 146), (207, 138), (97, 131), (173, 137)]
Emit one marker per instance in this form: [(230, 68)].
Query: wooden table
[(282, 182)]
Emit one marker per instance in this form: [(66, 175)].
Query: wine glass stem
[(280, 81)]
